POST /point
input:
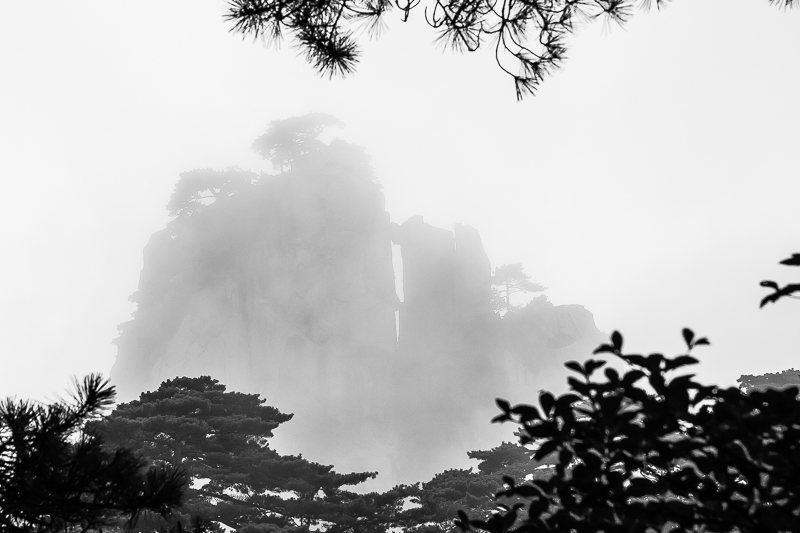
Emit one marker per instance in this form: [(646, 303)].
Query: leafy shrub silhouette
[(648, 450)]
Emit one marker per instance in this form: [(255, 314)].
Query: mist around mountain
[(281, 282)]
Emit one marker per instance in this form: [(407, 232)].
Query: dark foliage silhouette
[(528, 36), (647, 450), (787, 291), (56, 476), (221, 439)]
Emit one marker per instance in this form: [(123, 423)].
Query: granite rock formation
[(446, 286), (283, 284)]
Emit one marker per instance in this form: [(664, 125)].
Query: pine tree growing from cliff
[(221, 439), (508, 280)]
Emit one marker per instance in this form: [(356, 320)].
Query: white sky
[(654, 179)]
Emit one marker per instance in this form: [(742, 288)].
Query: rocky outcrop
[(537, 339), (283, 285), (290, 269), (446, 286)]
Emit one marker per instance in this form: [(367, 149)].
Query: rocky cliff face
[(283, 285), (291, 267), (446, 285)]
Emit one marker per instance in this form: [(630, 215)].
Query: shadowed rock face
[(290, 267), (284, 285), (446, 285)]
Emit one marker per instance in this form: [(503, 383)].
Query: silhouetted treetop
[(455, 489), (501, 458), (289, 139), (222, 438), (186, 418), (528, 36), (290, 145)]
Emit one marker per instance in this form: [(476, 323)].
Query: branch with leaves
[(528, 37), (787, 291)]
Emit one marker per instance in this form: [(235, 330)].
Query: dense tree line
[(193, 456), (221, 439)]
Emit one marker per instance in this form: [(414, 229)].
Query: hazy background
[(654, 179)]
